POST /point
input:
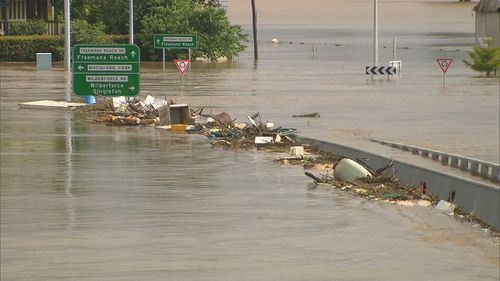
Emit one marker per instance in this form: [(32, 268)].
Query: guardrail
[(471, 196), (476, 167)]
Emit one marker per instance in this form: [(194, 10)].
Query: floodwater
[(84, 201)]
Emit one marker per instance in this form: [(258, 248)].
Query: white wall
[(488, 26)]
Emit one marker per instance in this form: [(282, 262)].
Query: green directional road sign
[(106, 70), (175, 41)]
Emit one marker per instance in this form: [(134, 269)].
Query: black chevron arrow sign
[(384, 70)]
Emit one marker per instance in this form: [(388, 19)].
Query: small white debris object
[(240, 126), (277, 139), (157, 103), (117, 101), (149, 100), (348, 169), (252, 121), (445, 206), (269, 125), (297, 151), (263, 140), (409, 203), (275, 40)]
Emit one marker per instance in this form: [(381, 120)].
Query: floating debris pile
[(380, 184), (224, 131), (131, 112)]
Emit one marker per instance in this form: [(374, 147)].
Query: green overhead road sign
[(175, 41), (106, 70)]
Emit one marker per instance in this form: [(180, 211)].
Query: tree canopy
[(206, 19)]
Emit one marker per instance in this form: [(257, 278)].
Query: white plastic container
[(297, 151), (348, 169)]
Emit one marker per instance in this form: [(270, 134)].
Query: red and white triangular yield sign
[(444, 64), (182, 65)]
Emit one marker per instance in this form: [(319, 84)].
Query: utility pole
[(375, 33), (254, 22), (131, 22), (67, 37)]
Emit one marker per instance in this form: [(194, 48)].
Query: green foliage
[(24, 48), (484, 60), (216, 36), (83, 32), (114, 14), (28, 27), (119, 39)]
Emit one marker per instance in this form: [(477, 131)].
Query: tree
[(484, 59), (83, 32), (216, 36), (114, 13)]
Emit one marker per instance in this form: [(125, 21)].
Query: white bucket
[(348, 169)]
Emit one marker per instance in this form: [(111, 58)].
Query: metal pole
[(131, 22), (163, 60), (254, 24), (394, 48), (67, 37), (375, 33), (190, 54)]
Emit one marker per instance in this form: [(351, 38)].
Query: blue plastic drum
[(89, 99)]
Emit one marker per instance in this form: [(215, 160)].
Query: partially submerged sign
[(106, 70), (384, 70), (182, 65), (444, 64), (175, 41)]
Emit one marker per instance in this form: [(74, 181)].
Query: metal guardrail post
[(484, 170), (454, 161), (464, 164), (474, 167), (434, 156), (495, 174), (444, 159)]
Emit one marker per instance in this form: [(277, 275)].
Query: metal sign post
[(163, 60), (182, 66), (444, 64)]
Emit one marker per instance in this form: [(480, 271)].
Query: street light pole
[(131, 22), (67, 38), (254, 23)]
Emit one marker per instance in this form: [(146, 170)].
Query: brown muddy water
[(84, 201)]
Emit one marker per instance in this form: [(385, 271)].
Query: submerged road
[(84, 201)]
